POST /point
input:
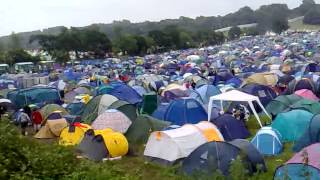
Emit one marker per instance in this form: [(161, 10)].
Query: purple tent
[(303, 165)]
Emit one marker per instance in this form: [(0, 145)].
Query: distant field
[(299, 25)]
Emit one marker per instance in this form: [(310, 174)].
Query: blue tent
[(122, 92), (268, 141), (206, 91), (185, 110), (39, 96), (160, 112), (265, 94), (231, 128)]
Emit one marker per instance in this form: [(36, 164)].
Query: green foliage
[(237, 170), (17, 55)]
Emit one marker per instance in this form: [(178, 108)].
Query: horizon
[(38, 15)]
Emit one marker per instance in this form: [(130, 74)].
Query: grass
[(299, 25), (136, 167)]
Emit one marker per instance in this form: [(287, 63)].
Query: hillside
[(297, 24)]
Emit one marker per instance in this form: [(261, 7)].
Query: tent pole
[(264, 110), (255, 113), (209, 108)]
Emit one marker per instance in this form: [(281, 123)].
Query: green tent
[(139, 131), (308, 105), (291, 125), (150, 103), (282, 104), (50, 108), (126, 108)]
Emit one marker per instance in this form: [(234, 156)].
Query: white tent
[(237, 96), (174, 144)]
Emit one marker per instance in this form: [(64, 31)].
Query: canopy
[(237, 96)]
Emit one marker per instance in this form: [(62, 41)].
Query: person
[(24, 119), (36, 120)]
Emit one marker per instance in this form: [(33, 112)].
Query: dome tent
[(126, 108), (281, 104), (52, 127), (303, 165), (268, 141), (254, 156), (231, 128), (96, 106), (310, 136), (169, 146), (112, 119), (97, 145), (209, 157), (183, 111), (73, 134), (50, 108), (140, 129), (292, 124)]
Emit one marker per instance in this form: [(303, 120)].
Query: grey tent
[(93, 147), (126, 108), (210, 157), (253, 155)]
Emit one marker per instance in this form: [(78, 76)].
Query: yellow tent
[(268, 79), (74, 137), (51, 129), (115, 142)]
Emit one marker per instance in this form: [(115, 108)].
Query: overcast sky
[(28, 15)]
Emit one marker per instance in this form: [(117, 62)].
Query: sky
[(29, 15)]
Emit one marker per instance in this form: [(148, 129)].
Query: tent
[(171, 145), (73, 134), (292, 124), (265, 93), (237, 96), (49, 109), (254, 156), (268, 79), (70, 96), (126, 108), (125, 93), (282, 103), (52, 127), (160, 112), (174, 91), (303, 83), (206, 91), (310, 136), (112, 119), (96, 106), (140, 90), (140, 130), (150, 103), (183, 111), (39, 95), (268, 141), (303, 165), (209, 157), (231, 128), (97, 145), (75, 108), (307, 94)]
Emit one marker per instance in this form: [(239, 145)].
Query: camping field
[(31, 157)]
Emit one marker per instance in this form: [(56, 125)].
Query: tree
[(185, 40), (279, 24), (234, 32), (19, 55), (15, 42), (128, 44)]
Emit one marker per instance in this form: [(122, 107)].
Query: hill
[(297, 24)]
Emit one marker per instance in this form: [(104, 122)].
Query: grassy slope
[(299, 25)]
